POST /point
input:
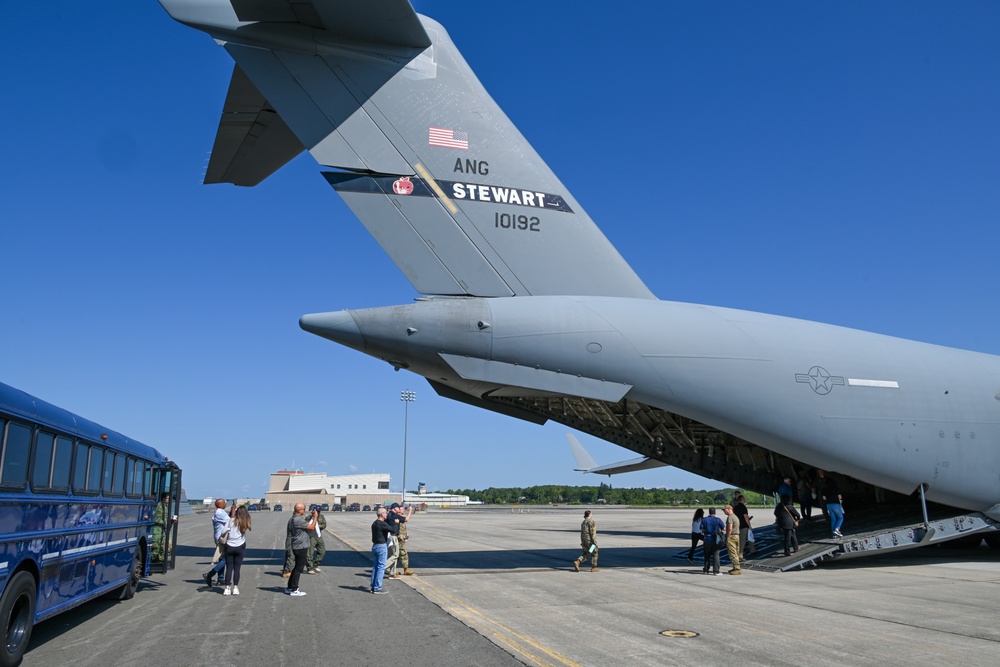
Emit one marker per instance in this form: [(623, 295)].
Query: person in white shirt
[(236, 545)]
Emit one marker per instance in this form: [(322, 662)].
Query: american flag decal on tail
[(438, 136)]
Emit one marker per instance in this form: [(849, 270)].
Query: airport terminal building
[(288, 487)]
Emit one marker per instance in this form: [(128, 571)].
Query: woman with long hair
[(699, 514), (236, 545)]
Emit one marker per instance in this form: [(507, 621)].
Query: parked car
[(325, 507), (354, 507), (366, 508), (337, 507), (252, 508), (277, 508)]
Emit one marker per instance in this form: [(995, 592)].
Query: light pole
[(407, 397)]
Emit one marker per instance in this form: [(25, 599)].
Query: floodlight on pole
[(407, 397)]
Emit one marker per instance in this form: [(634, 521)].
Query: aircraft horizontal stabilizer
[(390, 22), (586, 463), (253, 141)]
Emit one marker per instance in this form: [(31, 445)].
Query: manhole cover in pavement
[(679, 633)]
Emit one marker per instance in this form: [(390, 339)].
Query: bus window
[(41, 465), (147, 485), (16, 447), (95, 469), (80, 467), (109, 473), (119, 483), (129, 476), (61, 463), (137, 479)]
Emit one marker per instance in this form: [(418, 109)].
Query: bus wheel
[(17, 609), (134, 575)]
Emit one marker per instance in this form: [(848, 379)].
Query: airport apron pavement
[(495, 586)]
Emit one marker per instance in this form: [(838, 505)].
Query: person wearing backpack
[(714, 532), (787, 518)]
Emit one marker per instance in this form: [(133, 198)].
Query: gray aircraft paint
[(586, 463), (544, 319)]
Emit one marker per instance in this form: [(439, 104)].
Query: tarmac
[(495, 586)]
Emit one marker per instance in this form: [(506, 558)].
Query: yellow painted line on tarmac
[(351, 543), (495, 630)]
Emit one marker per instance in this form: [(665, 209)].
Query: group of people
[(815, 488), (229, 530), (305, 546), (389, 545), (315, 545), (736, 532), (299, 535)]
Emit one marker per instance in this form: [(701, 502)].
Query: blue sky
[(833, 161)]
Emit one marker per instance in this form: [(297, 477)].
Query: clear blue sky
[(834, 161)]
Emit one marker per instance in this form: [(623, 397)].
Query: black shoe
[(208, 579)]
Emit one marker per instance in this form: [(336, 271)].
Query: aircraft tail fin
[(584, 461), (430, 164)]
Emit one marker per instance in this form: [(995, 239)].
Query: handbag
[(795, 522), (220, 546)]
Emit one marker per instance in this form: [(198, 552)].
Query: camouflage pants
[(587, 553), (403, 556), (317, 549), (156, 548)]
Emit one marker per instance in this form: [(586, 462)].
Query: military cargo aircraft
[(529, 311)]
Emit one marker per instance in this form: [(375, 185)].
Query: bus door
[(163, 539)]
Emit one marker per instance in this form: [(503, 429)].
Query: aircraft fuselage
[(890, 412)]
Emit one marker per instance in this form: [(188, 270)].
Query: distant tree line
[(605, 493)]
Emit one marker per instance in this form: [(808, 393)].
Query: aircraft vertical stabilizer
[(430, 164)]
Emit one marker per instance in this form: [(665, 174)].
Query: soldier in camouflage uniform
[(161, 522), (402, 556), (317, 546), (588, 540)]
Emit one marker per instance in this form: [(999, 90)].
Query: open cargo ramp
[(871, 542)]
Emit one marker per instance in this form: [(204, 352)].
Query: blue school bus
[(84, 512)]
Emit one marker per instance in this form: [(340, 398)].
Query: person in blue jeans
[(831, 493), (219, 521), (714, 534), (380, 551)]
